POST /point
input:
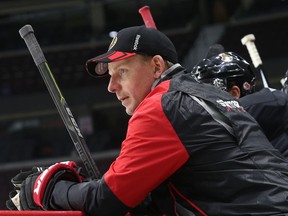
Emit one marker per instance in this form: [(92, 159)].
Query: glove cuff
[(46, 181)]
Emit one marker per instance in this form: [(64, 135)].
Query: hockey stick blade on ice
[(27, 33), (248, 41)]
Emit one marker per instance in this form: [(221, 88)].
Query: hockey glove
[(36, 189), (13, 202)]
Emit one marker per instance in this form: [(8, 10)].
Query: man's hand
[(14, 203), (33, 188)]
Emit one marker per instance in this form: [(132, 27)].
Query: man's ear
[(159, 66), (235, 91)]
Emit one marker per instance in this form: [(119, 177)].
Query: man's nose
[(113, 86)]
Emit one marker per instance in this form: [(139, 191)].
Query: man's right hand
[(32, 189), (14, 203)]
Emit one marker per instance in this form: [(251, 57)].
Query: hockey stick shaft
[(147, 17), (249, 42), (27, 33)]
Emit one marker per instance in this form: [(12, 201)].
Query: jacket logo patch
[(231, 105)]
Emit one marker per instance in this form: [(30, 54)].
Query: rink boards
[(41, 213)]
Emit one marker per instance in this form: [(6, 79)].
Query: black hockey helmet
[(224, 70)]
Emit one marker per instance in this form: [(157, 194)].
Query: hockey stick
[(27, 33), (147, 17), (248, 41)]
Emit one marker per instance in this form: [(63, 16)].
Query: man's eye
[(122, 72)]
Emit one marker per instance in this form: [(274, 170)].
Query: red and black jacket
[(178, 160)]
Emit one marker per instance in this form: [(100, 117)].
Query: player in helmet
[(226, 70), (232, 73)]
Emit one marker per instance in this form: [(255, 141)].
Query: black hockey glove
[(36, 189), (13, 202)]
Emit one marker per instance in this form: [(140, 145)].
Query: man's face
[(131, 80)]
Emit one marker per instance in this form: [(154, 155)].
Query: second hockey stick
[(248, 41), (147, 17), (27, 33)]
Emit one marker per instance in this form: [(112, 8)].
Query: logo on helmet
[(246, 86), (219, 83), (225, 57)]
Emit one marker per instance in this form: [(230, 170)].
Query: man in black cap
[(190, 148)]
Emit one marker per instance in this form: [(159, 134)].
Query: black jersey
[(270, 109)]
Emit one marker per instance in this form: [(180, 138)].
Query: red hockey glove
[(36, 189)]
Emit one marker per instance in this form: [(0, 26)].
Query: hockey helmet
[(225, 70)]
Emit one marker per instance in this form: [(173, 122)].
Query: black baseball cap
[(129, 42)]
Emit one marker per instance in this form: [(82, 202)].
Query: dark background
[(72, 31)]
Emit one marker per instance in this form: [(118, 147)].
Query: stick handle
[(27, 33), (147, 17), (249, 42)]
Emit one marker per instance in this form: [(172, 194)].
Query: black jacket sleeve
[(92, 197)]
